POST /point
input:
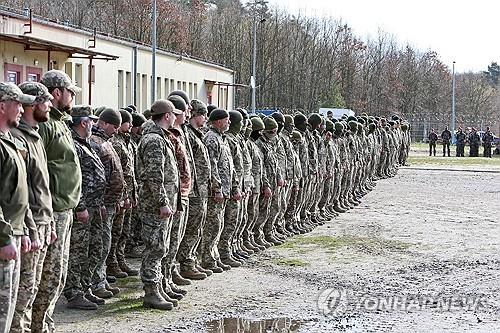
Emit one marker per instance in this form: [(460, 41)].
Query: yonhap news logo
[(334, 302)]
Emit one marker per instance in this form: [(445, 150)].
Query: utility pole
[(254, 59), (453, 105), (153, 54)]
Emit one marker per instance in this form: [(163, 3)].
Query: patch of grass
[(294, 262), (331, 244), (453, 161)]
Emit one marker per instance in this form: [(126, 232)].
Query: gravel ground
[(421, 253)]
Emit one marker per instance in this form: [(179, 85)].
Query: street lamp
[(453, 104), (153, 54), (253, 79)]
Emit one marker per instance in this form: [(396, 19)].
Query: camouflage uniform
[(179, 219), (461, 137), (120, 231), (101, 144), (14, 211), (40, 199), (135, 224), (474, 141), (221, 176), (160, 187), (487, 143), (86, 250), (63, 164), (197, 201)]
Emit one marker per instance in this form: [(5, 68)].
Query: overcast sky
[(463, 31)]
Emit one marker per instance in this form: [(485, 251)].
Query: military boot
[(153, 299), (178, 279), (114, 269), (113, 290), (191, 273), (177, 290), (223, 266), (213, 267), (166, 297), (228, 260), (102, 293), (93, 298), (247, 249), (79, 302), (127, 269), (170, 293), (207, 272)]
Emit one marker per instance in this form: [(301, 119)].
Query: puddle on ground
[(241, 325)]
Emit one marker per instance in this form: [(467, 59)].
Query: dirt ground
[(424, 234)]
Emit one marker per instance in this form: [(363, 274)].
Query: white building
[(111, 71)]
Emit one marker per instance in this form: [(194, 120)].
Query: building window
[(165, 88), (172, 86), (190, 90), (79, 82), (184, 86), (195, 90), (144, 93), (13, 73), (120, 89), (128, 87), (158, 88), (179, 85)]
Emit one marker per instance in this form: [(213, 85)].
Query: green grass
[(453, 161), (331, 244), (293, 262)]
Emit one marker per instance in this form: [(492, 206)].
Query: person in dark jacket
[(487, 142), (474, 141), (432, 142), (461, 137), (446, 137)]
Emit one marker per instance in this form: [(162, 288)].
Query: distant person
[(474, 141), (432, 142), (446, 137), (487, 142), (329, 115), (461, 137)]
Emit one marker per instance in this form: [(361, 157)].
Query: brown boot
[(153, 299), (79, 302), (178, 279), (102, 293), (166, 297), (208, 272), (127, 269), (192, 273), (114, 269)]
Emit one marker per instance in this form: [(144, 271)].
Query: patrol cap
[(198, 108), (36, 89), (80, 111), (218, 114), (10, 92), (163, 106), (58, 79), (235, 117)]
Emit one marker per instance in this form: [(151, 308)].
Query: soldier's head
[(180, 105), (315, 121), (109, 121), (61, 88), (244, 114), (459, 129), (300, 122), (296, 138), (236, 122), (219, 119), (82, 120), (199, 113), (39, 111), (257, 127), (270, 128), (182, 94), (487, 128), (163, 113), (432, 130), (126, 121), (280, 120), (138, 121), (11, 101), (248, 129), (289, 123)]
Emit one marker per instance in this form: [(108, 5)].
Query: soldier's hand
[(82, 216), (8, 252), (25, 244), (267, 192), (165, 212), (36, 245), (218, 197)]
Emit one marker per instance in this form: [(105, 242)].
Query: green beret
[(315, 119), (299, 119), (270, 124), (97, 111), (257, 123), (339, 127), (179, 102), (278, 116), (218, 114)]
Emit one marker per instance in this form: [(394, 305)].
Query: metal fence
[(420, 129)]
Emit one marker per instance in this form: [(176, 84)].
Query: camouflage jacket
[(100, 142), (433, 137), (258, 171), (221, 162), (297, 165), (247, 165), (192, 165), (487, 139), (268, 149), (157, 171), (93, 175), (233, 142), (201, 162), (461, 137), (122, 145), (178, 140), (474, 139), (281, 158), (312, 147), (446, 136), (303, 152), (284, 136)]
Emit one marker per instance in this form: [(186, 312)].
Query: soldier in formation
[(193, 191)]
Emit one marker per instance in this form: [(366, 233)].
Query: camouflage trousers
[(316, 194), (84, 253), (197, 218), (135, 231), (9, 284), (264, 208), (29, 280), (292, 205), (211, 233), (306, 196), (243, 220), (285, 194), (274, 211), (326, 193), (116, 234), (177, 231), (155, 235), (231, 221), (253, 214), (124, 236), (337, 184), (55, 268), (99, 276)]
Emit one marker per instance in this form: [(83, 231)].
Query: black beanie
[(218, 114), (111, 116), (138, 119), (210, 108), (126, 116), (182, 94), (178, 102)]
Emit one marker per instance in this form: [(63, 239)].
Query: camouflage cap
[(80, 111), (59, 79), (198, 108), (10, 92), (36, 89)]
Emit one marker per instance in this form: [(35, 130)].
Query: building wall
[(112, 82)]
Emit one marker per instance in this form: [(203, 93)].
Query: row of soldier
[(201, 198), (462, 138)]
